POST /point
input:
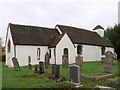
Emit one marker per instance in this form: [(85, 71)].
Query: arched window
[(66, 51), (50, 52), (79, 49), (38, 53), (9, 46), (103, 50), (29, 59)]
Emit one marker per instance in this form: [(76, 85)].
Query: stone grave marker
[(75, 74), (56, 70), (29, 63), (102, 60), (16, 64), (36, 69), (65, 62), (108, 65), (79, 61), (41, 67), (47, 60)]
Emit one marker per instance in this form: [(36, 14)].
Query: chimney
[(99, 30)]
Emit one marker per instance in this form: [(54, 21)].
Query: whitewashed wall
[(109, 49), (10, 54), (93, 53), (23, 51), (89, 53), (65, 42)]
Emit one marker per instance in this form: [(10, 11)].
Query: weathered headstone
[(47, 60), (102, 60), (41, 67), (108, 65), (29, 63), (65, 62), (75, 74), (79, 61), (16, 64), (36, 69), (56, 70), (109, 58)]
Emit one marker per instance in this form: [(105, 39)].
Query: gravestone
[(108, 65), (79, 61), (75, 74), (41, 67), (56, 70), (36, 69), (29, 63), (47, 60), (65, 62), (102, 60), (16, 64)]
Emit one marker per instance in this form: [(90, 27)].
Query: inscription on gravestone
[(75, 74), (56, 70), (108, 65), (41, 67), (16, 64), (47, 60), (79, 61), (65, 60)]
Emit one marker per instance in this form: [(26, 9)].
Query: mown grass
[(28, 79)]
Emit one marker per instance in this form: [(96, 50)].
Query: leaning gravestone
[(41, 67), (75, 74), (108, 65), (79, 61), (56, 70), (16, 64), (29, 63), (65, 61), (47, 60)]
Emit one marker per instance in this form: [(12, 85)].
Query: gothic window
[(38, 53), (79, 49), (9, 46), (103, 50), (66, 51)]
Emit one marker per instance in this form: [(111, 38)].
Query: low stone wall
[(113, 82), (96, 78)]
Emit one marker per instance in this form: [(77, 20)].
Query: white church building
[(23, 41)]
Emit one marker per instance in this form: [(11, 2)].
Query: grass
[(28, 79)]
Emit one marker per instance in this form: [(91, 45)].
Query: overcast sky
[(47, 13)]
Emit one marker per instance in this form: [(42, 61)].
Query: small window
[(66, 51), (50, 52), (79, 49), (38, 53), (103, 50), (9, 46)]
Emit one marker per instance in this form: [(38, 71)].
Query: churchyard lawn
[(28, 79)]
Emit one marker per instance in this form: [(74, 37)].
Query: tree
[(113, 34)]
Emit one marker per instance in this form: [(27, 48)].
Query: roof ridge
[(32, 26), (77, 28)]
